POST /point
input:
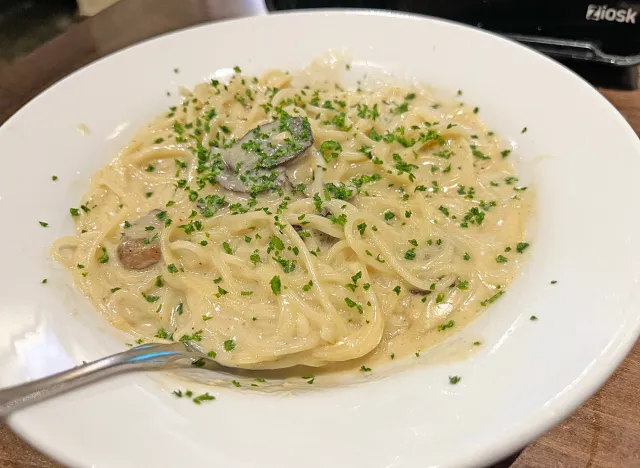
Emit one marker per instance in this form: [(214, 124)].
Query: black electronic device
[(599, 41)]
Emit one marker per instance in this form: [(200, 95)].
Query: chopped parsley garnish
[(229, 345), (307, 286), (317, 201), (227, 248), (339, 220), (521, 247), (454, 379), (339, 191), (255, 257), (389, 215), (339, 121), (444, 326), (444, 154), (493, 298), (533, 318), (463, 285), (400, 109), (365, 113), (410, 254), (43, 224), (510, 180), (150, 298), (352, 303), (204, 397), (162, 334), (365, 369), (287, 265), (478, 154), (74, 211), (172, 268), (275, 243), (276, 285), (404, 167), (473, 216), (501, 259), (104, 258), (397, 290), (329, 150)]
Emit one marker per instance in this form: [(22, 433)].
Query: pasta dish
[(285, 220)]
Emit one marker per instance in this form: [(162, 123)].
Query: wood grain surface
[(604, 432)]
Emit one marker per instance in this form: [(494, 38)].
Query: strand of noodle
[(327, 327), (286, 319), (336, 250), (154, 152), (392, 262), (318, 290), (195, 249), (359, 343)]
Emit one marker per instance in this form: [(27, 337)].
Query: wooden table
[(604, 432)]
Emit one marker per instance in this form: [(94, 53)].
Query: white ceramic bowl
[(585, 163)]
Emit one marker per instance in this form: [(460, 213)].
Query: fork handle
[(145, 357)]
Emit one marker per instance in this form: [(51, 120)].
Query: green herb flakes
[(276, 285), (444, 326)]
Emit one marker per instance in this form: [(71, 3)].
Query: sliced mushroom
[(140, 245), (252, 162)]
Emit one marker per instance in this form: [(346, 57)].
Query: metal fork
[(152, 356)]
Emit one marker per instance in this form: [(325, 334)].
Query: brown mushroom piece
[(420, 292), (253, 162), (140, 244)]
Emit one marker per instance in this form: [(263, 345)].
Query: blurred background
[(601, 42), (27, 24)]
